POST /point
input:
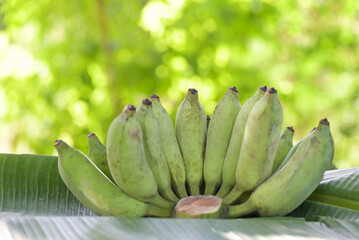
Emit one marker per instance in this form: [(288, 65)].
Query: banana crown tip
[(208, 117), (130, 107), (272, 90), (290, 128), (146, 102), (192, 90), (57, 142), (264, 88), (233, 89), (324, 121), (90, 134), (154, 96)]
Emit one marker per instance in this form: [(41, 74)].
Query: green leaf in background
[(35, 204)]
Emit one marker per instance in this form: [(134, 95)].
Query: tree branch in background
[(109, 59)]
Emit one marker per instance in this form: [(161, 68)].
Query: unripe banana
[(260, 142), (284, 146), (292, 184), (97, 154), (170, 147), (235, 143), (294, 149), (95, 190), (218, 136), (127, 159), (154, 150), (191, 130)]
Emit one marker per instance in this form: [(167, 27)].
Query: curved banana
[(191, 130), (235, 143), (153, 147), (260, 142), (95, 190), (294, 149), (127, 159), (284, 146), (218, 136), (293, 183), (97, 154), (170, 147)]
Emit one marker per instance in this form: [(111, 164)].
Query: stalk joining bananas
[(232, 164)]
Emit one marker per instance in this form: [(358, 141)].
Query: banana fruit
[(260, 142), (127, 159), (154, 150), (170, 147), (97, 154), (284, 146), (235, 143), (295, 181), (95, 190), (191, 130), (219, 133), (237, 159)]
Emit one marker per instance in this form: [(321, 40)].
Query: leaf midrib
[(333, 200)]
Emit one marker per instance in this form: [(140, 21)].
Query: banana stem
[(233, 196), (154, 211), (194, 188), (161, 202), (210, 189), (180, 189), (170, 195), (241, 210), (224, 190)]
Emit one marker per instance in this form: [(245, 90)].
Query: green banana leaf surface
[(36, 204)]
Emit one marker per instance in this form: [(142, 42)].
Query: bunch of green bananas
[(230, 165)]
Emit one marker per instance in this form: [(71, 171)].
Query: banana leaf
[(36, 204), (337, 196)]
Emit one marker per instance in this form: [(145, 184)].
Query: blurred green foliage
[(69, 67)]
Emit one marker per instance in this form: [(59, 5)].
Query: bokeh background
[(69, 67)]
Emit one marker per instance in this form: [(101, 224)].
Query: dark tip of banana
[(234, 89), (264, 88), (313, 129), (192, 90), (208, 118), (271, 90), (324, 121), (90, 134), (154, 96), (57, 142), (146, 102), (130, 107), (291, 128)]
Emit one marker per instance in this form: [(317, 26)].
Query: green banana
[(260, 142), (292, 184), (191, 130), (97, 154), (294, 149), (95, 190), (218, 136), (170, 147), (284, 146), (127, 159), (235, 143), (154, 152)]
